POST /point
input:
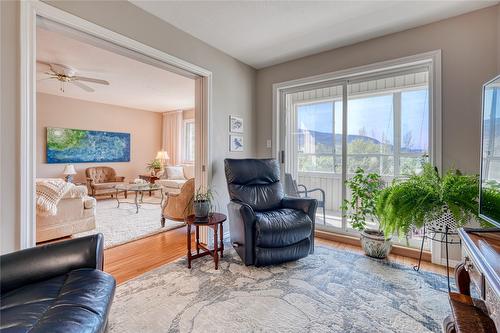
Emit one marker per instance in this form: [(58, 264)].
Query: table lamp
[(162, 156), (69, 171)]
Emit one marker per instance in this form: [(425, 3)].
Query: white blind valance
[(368, 86)]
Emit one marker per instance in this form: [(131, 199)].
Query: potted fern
[(365, 189), (426, 199)]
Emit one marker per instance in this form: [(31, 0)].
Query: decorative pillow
[(175, 173)]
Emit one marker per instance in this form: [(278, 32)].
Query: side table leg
[(117, 200), (197, 239), (136, 203), (216, 248), (221, 241), (189, 245)]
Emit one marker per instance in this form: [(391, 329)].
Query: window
[(387, 127), (188, 141)]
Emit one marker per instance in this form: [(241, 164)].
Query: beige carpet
[(122, 225)]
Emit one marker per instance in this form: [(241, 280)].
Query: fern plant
[(409, 203)]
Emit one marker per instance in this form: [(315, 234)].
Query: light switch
[(268, 144)]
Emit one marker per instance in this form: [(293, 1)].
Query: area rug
[(329, 291), (121, 224)]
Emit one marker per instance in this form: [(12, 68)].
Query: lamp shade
[(69, 169), (162, 155)]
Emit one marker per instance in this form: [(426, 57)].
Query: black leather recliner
[(55, 288), (266, 227)]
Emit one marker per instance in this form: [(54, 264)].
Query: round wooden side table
[(214, 221)]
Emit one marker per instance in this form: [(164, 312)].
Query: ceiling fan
[(65, 74)]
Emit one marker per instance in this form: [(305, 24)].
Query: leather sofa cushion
[(281, 227), (75, 302)]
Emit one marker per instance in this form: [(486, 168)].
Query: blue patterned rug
[(329, 291)]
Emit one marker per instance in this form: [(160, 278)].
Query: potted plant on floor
[(428, 199), (365, 189), (203, 202)]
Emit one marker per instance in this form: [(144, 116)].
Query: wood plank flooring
[(130, 260)]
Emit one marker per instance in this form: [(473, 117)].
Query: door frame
[(29, 11)]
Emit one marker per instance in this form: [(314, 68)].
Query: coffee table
[(139, 189), (214, 221)]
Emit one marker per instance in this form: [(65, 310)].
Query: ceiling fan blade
[(83, 86), (45, 78), (88, 79)]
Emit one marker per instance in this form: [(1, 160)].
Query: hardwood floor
[(129, 260), (132, 259)]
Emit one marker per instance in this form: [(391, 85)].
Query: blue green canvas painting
[(65, 145)]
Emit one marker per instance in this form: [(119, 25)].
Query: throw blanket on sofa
[(50, 191)]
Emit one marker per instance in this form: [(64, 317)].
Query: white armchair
[(174, 177)]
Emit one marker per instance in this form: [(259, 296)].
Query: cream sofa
[(175, 185), (74, 215)]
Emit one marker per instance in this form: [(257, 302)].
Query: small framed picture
[(235, 142), (235, 124)]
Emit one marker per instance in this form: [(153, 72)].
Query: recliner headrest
[(252, 171)]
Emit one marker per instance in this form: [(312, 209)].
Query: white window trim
[(184, 123)]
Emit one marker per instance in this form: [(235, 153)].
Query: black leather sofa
[(54, 288), (266, 227)]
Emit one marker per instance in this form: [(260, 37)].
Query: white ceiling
[(263, 33), (133, 84)]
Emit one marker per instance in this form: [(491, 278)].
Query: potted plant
[(428, 199), (365, 189), (154, 166), (202, 202)]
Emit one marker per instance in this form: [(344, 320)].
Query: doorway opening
[(99, 105)]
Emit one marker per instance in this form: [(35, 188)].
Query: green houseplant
[(154, 166), (203, 200), (425, 197), (365, 189)]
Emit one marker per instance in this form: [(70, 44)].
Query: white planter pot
[(374, 243)]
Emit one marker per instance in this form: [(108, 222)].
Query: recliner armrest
[(244, 210), (308, 206), (44, 262), (242, 229)]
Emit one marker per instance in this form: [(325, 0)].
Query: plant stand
[(440, 231)]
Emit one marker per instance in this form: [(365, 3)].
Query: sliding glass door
[(379, 123), (313, 142)]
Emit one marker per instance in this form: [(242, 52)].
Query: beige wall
[(144, 128), (9, 132), (233, 90), (469, 45)]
